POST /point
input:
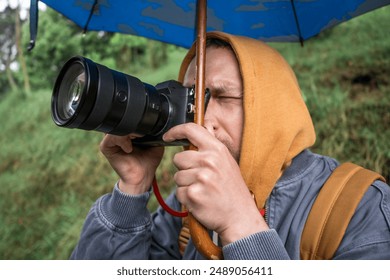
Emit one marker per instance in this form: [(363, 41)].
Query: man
[(252, 153)]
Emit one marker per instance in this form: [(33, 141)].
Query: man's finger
[(111, 143), (185, 177), (194, 133), (186, 159)]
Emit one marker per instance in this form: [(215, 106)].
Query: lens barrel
[(90, 96)]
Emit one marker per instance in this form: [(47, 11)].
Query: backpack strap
[(333, 209)]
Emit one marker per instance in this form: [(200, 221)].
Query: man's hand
[(210, 185), (135, 166)]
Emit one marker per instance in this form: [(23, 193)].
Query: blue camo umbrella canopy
[(173, 21)]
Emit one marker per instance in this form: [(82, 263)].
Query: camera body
[(90, 96), (179, 107)]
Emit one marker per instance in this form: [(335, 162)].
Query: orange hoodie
[(277, 124)]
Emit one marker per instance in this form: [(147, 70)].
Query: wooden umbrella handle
[(199, 233), (202, 241)]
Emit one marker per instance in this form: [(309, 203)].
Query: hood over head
[(277, 123)]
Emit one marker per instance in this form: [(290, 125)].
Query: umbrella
[(174, 22)]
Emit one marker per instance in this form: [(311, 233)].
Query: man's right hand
[(135, 166)]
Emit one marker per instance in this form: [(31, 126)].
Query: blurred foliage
[(344, 74), (54, 47), (50, 177), (7, 50)]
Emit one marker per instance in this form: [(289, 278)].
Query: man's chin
[(229, 145)]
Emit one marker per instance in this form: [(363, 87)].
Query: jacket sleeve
[(265, 245), (119, 226)]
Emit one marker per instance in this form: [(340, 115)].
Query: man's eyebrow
[(223, 88)]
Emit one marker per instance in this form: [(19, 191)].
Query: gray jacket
[(120, 227)]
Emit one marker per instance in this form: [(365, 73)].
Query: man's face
[(224, 117)]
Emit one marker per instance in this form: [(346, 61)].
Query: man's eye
[(229, 97)]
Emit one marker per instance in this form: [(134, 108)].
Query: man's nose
[(209, 117)]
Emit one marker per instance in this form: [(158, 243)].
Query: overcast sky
[(25, 5)]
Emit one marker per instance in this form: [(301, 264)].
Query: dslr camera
[(90, 96)]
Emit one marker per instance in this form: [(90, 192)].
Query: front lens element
[(71, 91), (74, 96)]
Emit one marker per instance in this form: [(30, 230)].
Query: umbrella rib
[(89, 16), (297, 22)]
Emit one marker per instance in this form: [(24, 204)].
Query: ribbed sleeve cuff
[(124, 211), (265, 245)]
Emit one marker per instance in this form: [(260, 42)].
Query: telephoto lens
[(90, 96)]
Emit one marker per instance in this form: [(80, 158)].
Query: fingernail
[(166, 138)]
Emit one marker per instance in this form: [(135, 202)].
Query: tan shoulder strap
[(333, 210), (184, 235)]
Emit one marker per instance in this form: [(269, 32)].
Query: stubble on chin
[(234, 151)]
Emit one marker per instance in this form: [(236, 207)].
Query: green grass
[(43, 178), (344, 76), (49, 177)]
